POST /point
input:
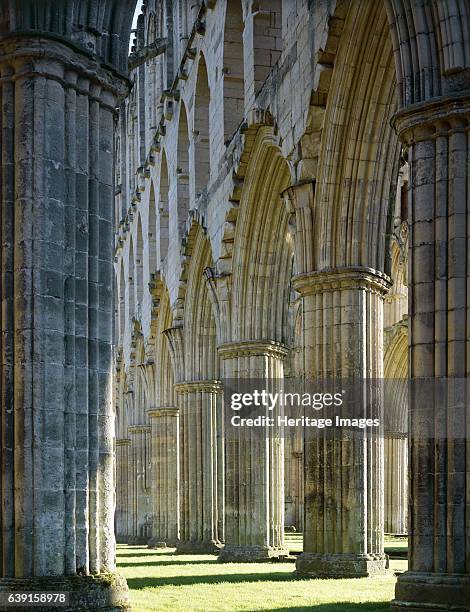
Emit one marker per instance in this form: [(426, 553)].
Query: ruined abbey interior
[(254, 189)]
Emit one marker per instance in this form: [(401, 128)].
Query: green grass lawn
[(162, 580), (396, 546), (294, 542)]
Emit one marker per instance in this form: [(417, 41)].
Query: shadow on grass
[(149, 553), (339, 606), (164, 562), (148, 582)]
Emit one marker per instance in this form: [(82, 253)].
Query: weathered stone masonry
[(271, 159), (63, 71), (273, 194)]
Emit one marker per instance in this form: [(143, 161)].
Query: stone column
[(139, 478), (396, 428), (201, 465), (122, 495), (437, 137), (396, 483), (254, 475), (165, 483), (343, 334), (57, 423)]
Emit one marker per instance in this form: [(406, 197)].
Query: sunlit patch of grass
[(162, 580), (294, 542), (396, 546)]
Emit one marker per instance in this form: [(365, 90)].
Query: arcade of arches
[(289, 197)]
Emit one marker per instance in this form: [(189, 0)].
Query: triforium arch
[(152, 233), (131, 272), (182, 171), (163, 210), (202, 145), (140, 269), (233, 68)]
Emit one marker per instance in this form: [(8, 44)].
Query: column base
[(136, 540), (318, 565), (100, 592), (250, 554), (156, 543), (419, 591), (204, 547)]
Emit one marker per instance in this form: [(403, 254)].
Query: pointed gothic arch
[(233, 68), (182, 169), (163, 217), (201, 131), (139, 263), (131, 274), (152, 232)]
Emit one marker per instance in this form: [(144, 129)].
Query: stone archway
[(70, 59), (255, 347), (343, 290), (199, 397)]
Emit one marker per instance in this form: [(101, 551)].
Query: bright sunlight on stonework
[(235, 349)]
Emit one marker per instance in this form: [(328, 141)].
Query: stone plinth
[(251, 553), (198, 547), (432, 591), (107, 592), (319, 565)]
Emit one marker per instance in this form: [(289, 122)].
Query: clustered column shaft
[(396, 483), (254, 477), (201, 466), (122, 495), (437, 135), (343, 323), (165, 483), (57, 513), (140, 502)]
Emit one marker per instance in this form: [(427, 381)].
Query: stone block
[(318, 565)]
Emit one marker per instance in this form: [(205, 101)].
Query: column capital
[(32, 57), (433, 118), (395, 435), (132, 429), (122, 441), (249, 348), (161, 411), (335, 279), (101, 33), (211, 386)]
